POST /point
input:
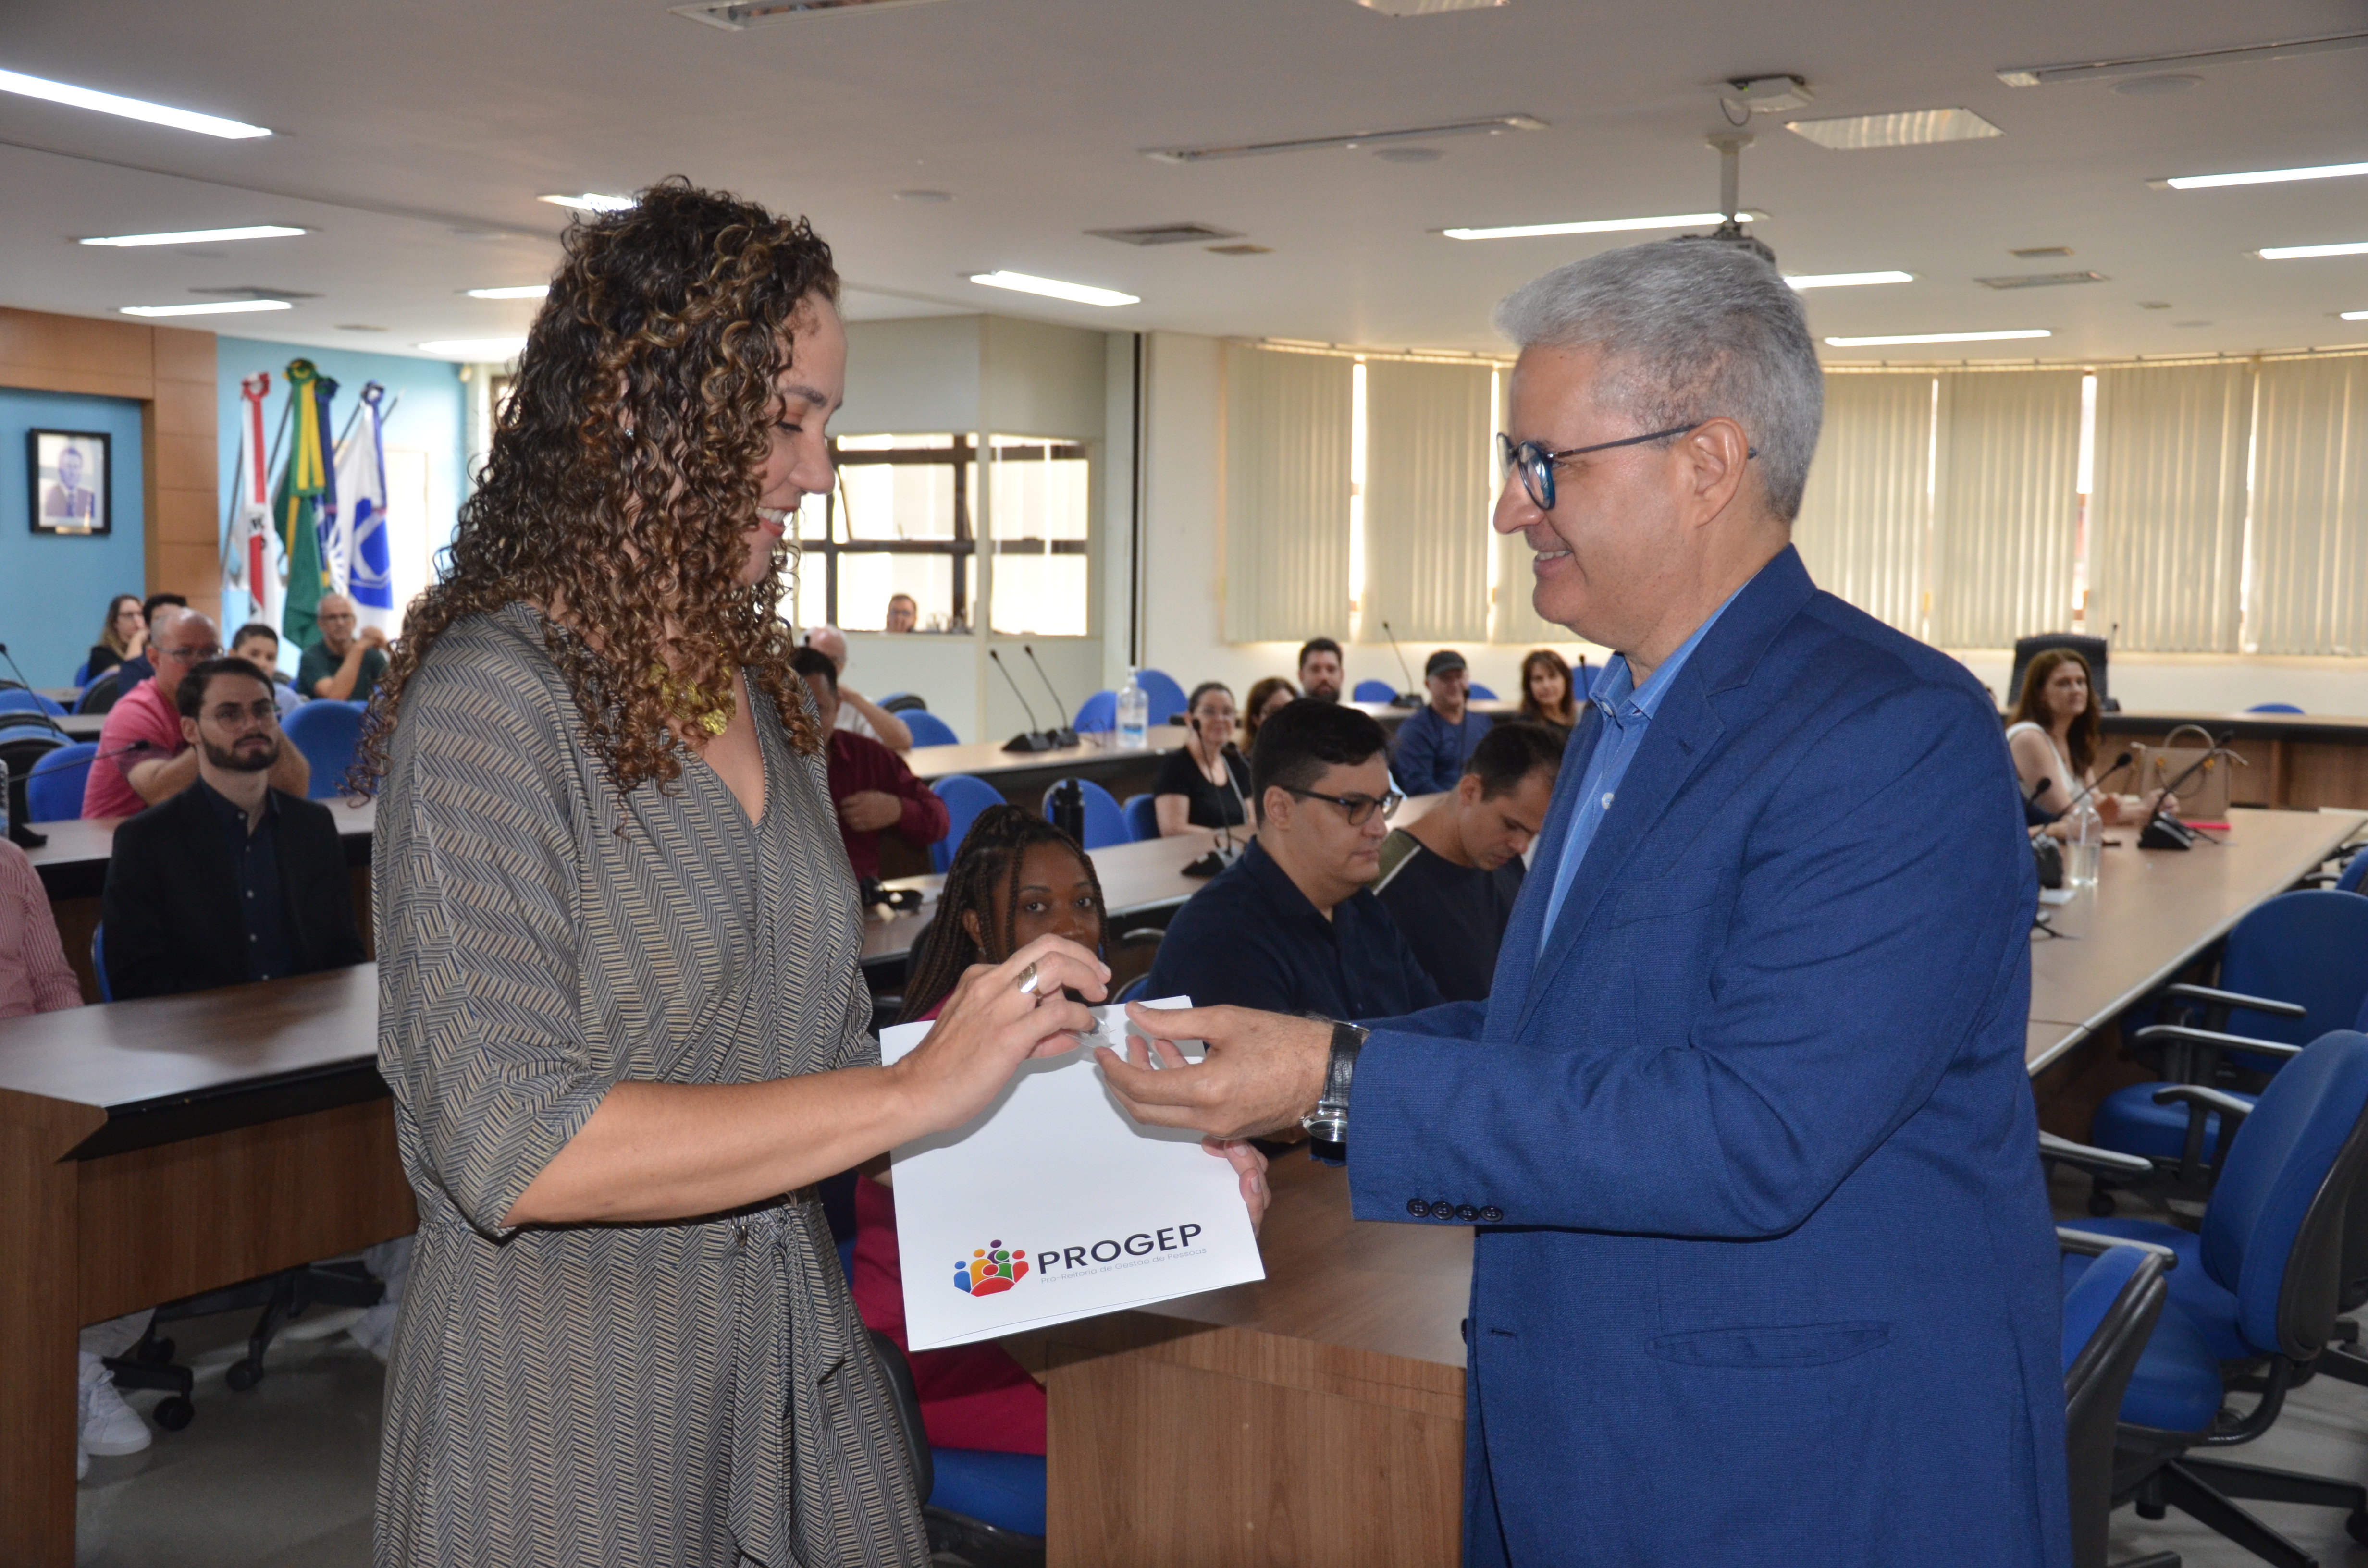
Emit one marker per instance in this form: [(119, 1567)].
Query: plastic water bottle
[(1134, 715), (2084, 842)]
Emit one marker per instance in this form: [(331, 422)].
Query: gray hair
[(1689, 330)]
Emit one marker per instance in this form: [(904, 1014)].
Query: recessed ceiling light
[(195, 236), (2042, 279), (926, 198), (2261, 176), (2040, 253), (1846, 280), (515, 291), (129, 109), (2139, 65), (1053, 287), (2156, 87), (1242, 249), (1426, 7), (209, 308), (1909, 127), (589, 201), (1594, 226), (2351, 315), (478, 348), (1495, 125), (1938, 337), (2300, 253)]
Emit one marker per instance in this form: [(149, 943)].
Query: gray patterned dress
[(697, 1393)]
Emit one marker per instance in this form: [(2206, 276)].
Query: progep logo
[(991, 1270)]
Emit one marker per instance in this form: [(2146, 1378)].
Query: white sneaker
[(108, 1425)]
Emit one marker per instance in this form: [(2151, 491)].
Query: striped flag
[(360, 564), (304, 507)]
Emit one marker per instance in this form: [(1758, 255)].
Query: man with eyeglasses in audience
[(1293, 927), (142, 757)]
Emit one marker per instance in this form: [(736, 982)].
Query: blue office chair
[(101, 695), (1105, 821), (81, 676), (53, 790), (31, 718), (965, 797), (98, 961), (2355, 874), (1142, 818), (2108, 1313), (2258, 1287), (326, 731), (1098, 714), (903, 702), (2273, 708), (928, 729), (1481, 694), (17, 700), (1373, 691), (1166, 698), (979, 1506)]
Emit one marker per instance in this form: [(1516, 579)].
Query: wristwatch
[(1328, 1124)]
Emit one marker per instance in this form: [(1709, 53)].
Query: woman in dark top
[(1267, 699), (1205, 783), (1546, 695), (125, 636)]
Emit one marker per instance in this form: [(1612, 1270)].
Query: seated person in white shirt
[(2055, 733), (857, 715)]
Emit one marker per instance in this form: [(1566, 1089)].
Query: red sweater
[(857, 763)]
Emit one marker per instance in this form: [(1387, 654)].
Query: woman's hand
[(1248, 1164), (989, 1027), (136, 646)]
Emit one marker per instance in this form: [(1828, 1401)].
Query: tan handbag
[(2203, 796)]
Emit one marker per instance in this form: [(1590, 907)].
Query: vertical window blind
[(2166, 514), (1287, 436), (1429, 486), (2308, 540), (1865, 519), (2006, 508)]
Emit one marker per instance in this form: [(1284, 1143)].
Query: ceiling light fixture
[(210, 308), (590, 202), (1427, 7), (2259, 177), (739, 15), (1493, 125), (1846, 280), (480, 349), (196, 236), (2351, 315), (129, 109), (1596, 226), (1938, 337), (1054, 288), (2300, 253), (2090, 69), (2042, 279), (1908, 128), (517, 291)]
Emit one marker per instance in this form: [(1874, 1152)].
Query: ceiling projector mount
[(1729, 145)]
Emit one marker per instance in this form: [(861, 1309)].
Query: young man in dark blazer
[(230, 879)]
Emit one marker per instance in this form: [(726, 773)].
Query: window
[(899, 523), (1039, 510)]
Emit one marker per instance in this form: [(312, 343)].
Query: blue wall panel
[(53, 591)]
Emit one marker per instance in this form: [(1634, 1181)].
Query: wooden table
[(1023, 777), (152, 1150), (2305, 760)]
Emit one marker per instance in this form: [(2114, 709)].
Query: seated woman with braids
[(1016, 878)]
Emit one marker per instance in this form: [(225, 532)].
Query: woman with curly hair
[(619, 1005)]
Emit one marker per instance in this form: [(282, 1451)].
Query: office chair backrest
[(903, 702), (1098, 714), (81, 676), (54, 789), (1141, 817), (101, 695), (326, 731), (2273, 708), (1167, 696), (964, 797), (1479, 693), (1133, 989), (2354, 876), (1373, 691), (2109, 1314), (2274, 1232), (928, 729), (17, 700), (907, 1401), (1105, 823), (2308, 948), (2092, 649)]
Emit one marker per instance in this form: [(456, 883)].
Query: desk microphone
[(1031, 739), (37, 709), (1062, 733), (2163, 831), (2034, 817), (2086, 789), (1409, 698)]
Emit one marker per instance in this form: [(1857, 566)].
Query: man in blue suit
[(1764, 1272)]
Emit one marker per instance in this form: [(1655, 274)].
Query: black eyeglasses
[(1536, 465), (1358, 808)]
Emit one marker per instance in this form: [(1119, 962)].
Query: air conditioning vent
[(1241, 250), (739, 15), (2040, 279), (2042, 253), (1166, 235)]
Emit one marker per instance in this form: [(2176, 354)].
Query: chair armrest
[(2111, 1162), (2228, 1105), (2152, 1032), (2236, 999), (2089, 1244)]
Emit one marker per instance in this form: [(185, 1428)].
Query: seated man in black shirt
[(1450, 877), (1291, 926), (230, 879)]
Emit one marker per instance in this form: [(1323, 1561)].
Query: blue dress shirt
[(1429, 754), (1626, 710)]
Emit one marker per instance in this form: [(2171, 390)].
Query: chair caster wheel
[(2151, 1511), (2101, 1205), (154, 1353), (174, 1412), (244, 1375), (2356, 1526)]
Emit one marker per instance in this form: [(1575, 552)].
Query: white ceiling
[(414, 137)]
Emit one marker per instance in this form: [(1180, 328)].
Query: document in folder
[(1054, 1204)]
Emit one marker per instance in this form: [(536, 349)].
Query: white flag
[(358, 558)]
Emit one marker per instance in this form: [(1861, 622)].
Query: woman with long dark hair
[(619, 1007), (1268, 698), (125, 636), (2053, 734), (1547, 694)]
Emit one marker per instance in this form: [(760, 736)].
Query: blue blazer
[(1766, 1273)]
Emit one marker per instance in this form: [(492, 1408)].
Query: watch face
[(1327, 1126)]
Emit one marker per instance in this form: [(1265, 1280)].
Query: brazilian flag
[(304, 506)]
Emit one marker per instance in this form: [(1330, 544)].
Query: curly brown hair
[(625, 473)]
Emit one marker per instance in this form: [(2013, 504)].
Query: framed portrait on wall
[(69, 477)]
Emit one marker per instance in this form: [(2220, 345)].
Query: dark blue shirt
[(1251, 940), (1429, 753), (262, 902)]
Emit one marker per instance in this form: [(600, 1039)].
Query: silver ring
[(1028, 981)]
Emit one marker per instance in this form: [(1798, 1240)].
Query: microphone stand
[(1062, 735), (20, 832), (1409, 698), (2086, 790), (1031, 739), (2163, 831)]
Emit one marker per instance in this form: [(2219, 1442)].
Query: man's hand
[(871, 810), (1263, 1071), (373, 637)]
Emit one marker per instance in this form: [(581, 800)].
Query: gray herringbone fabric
[(688, 1393)]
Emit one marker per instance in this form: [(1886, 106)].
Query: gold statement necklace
[(694, 704)]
